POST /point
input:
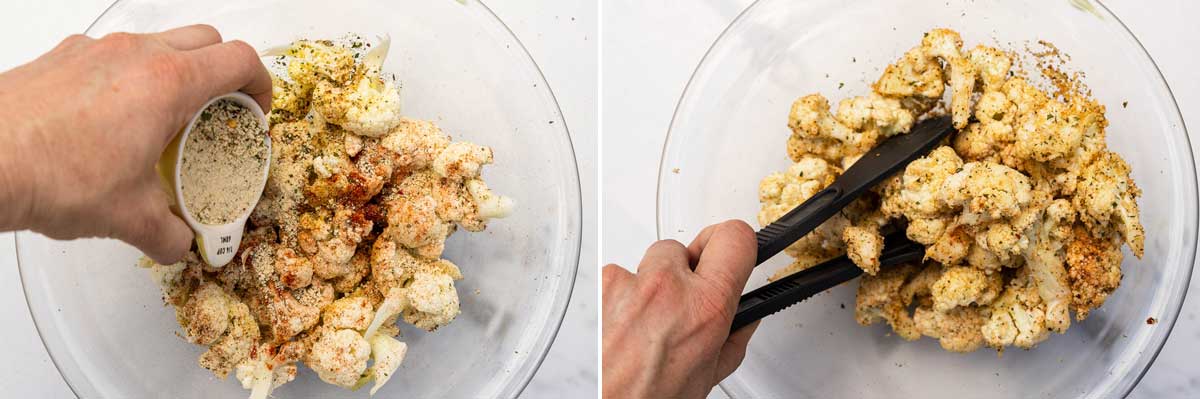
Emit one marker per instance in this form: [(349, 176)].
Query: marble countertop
[(561, 37), (668, 40)]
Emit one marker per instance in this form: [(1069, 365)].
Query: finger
[(698, 244), (611, 277), (734, 350), (189, 37), (233, 66), (664, 254), (727, 258), (150, 226)]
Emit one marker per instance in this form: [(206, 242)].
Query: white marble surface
[(650, 49), (561, 35)]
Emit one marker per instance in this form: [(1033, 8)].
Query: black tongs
[(887, 158)]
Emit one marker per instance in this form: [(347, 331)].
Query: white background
[(561, 36), (651, 47)]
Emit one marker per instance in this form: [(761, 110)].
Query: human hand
[(666, 329), (85, 124)]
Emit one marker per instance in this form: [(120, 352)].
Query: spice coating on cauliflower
[(1022, 212)]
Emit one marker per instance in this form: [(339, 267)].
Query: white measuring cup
[(217, 243)]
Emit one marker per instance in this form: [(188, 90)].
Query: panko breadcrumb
[(1022, 212), (348, 236)]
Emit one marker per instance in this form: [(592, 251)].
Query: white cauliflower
[(488, 205), (863, 246), (960, 286), (957, 330), (206, 315), (387, 353), (339, 357), (432, 298), (462, 160), (1106, 196), (352, 312), (368, 106), (985, 191), (415, 143), (1018, 316)]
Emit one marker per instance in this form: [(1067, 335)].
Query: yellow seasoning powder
[(223, 161)]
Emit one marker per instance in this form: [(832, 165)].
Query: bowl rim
[(1172, 317), (523, 374)]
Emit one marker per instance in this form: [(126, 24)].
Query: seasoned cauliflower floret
[(350, 313), (960, 286), (1094, 270), (462, 160), (206, 315), (1108, 196), (433, 300), (368, 106), (863, 246), (1018, 316), (339, 357), (879, 298), (957, 330), (986, 191)]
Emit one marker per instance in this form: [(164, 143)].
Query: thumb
[(150, 226)]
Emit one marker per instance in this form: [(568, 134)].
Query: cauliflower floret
[(462, 160), (1106, 196), (781, 191), (1052, 132), (487, 204), (432, 298), (1044, 260), (288, 99), (260, 377), (414, 223), (960, 286), (1018, 316), (947, 45), (992, 65), (815, 132), (913, 75), (957, 330), (415, 143), (863, 246), (986, 191), (1094, 269), (339, 357), (921, 183), (310, 62), (951, 247), (205, 317), (368, 106), (350, 313), (240, 337), (875, 113), (879, 298), (388, 354), (294, 271)]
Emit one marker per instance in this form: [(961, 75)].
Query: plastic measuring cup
[(217, 243)]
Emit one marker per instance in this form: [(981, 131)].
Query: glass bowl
[(730, 129), (103, 321)]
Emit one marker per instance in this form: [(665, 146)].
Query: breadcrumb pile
[(348, 236), (1023, 212)]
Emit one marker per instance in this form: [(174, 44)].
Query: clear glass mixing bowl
[(730, 130), (103, 321)]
